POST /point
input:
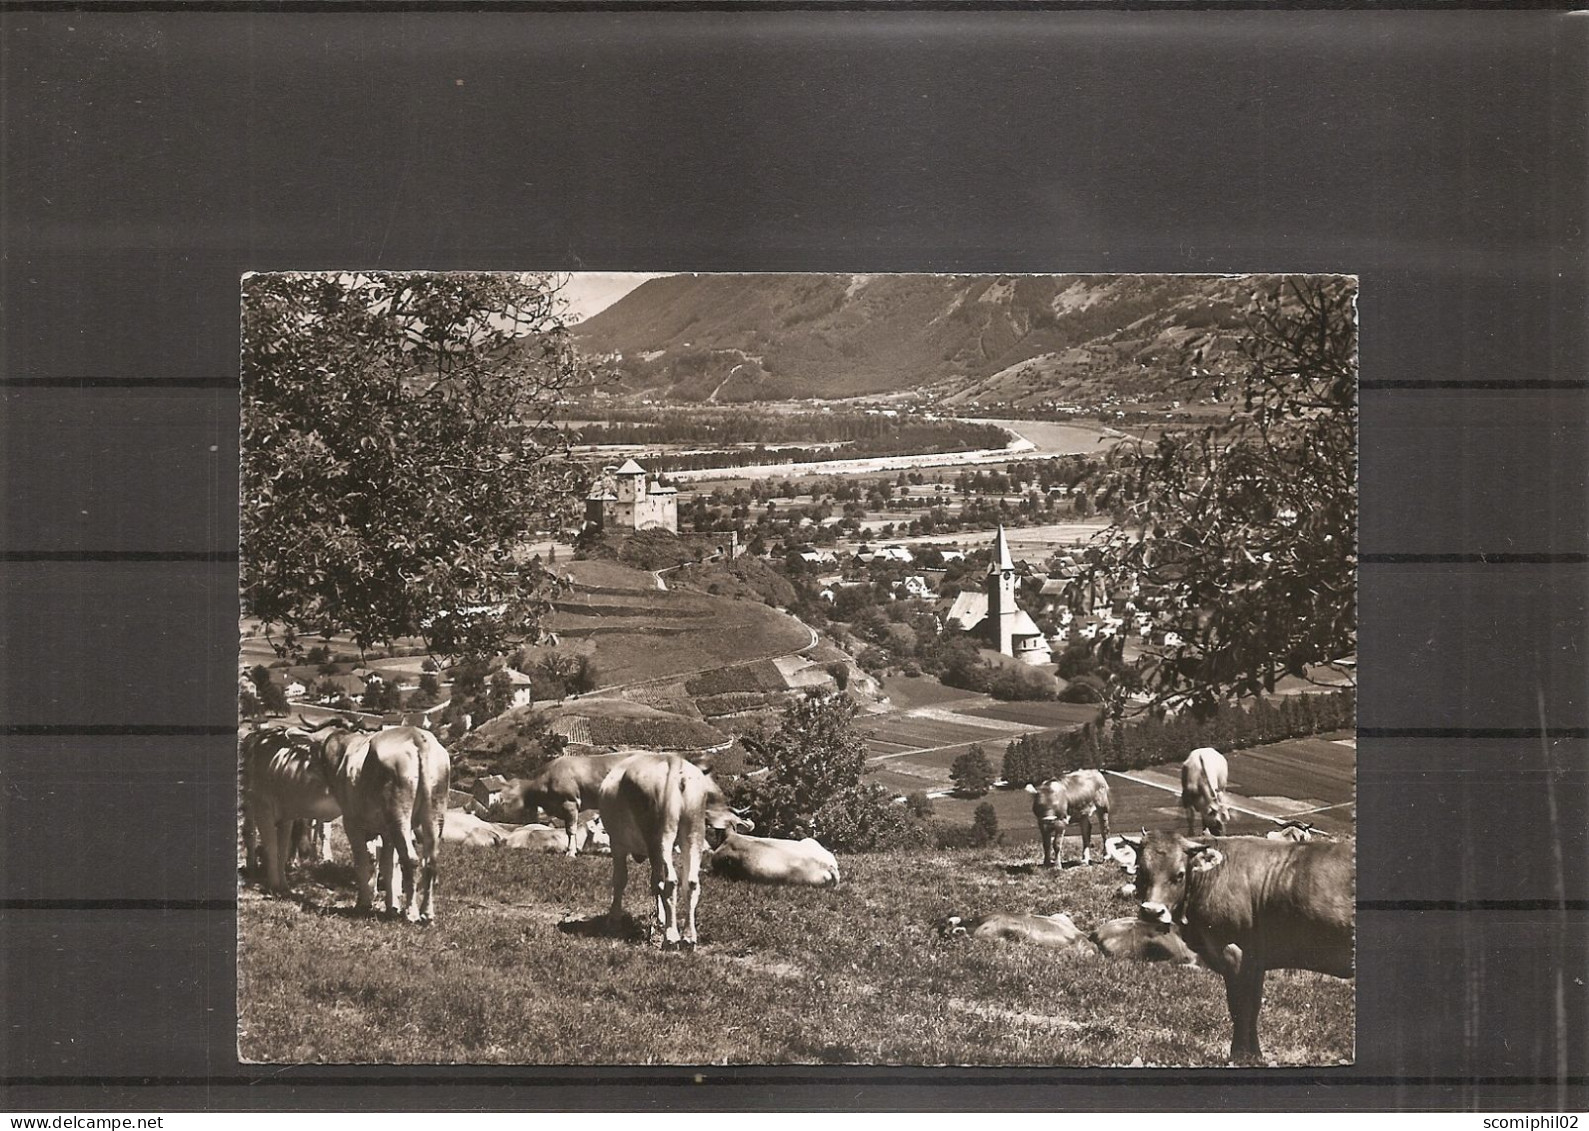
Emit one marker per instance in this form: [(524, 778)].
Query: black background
[(153, 156)]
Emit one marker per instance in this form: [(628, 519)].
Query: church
[(629, 502), (994, 615)]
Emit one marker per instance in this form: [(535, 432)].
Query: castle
[(994, 615), (628, 502)]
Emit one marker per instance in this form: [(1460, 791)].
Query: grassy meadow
[(519, 969)]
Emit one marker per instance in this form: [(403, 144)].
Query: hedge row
[(1151, 742)]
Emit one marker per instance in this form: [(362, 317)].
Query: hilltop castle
[(629, 502), (994, 615)]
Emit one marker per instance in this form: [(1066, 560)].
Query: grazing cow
[(1076, 795), (650, 804), (1247, 905), (1204, 776), (283, 783), (465, 828), (1058, 931), (1299, 832), (772, 861), (545, 838), (1141, 941), (391, 784), (562, 787)]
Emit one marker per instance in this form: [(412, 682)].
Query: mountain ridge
[(1020, 340)]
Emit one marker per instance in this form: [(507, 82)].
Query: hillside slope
[(1012, 339)]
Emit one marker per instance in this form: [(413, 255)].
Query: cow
[(545, 838), (1134, 938), (1204, 777), (283, 782), (465, 828), (1299, 832), (391, 784), (1058, 930), (1077, 795), (1247, 905), (770, 861), (562, 787), (650, 804)]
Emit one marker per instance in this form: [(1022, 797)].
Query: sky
[(589, 292)]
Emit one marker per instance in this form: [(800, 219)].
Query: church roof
[(1001, 554), (969, 608), (1024, 625), (630, 467)]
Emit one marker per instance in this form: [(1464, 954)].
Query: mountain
[(1009, 339)]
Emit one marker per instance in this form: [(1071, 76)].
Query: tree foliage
[(1242, 534), (398, 444), (972, 773), (812, 756)]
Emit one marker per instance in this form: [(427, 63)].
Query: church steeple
[(1002, 609)]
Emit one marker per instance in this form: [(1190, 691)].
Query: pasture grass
[(520, 969)]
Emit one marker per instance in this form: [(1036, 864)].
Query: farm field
[(518, 970), (1274, 781)]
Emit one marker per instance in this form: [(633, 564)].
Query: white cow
[(1204, 777)]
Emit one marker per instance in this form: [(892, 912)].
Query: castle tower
[(1003, 612), (631, 481)]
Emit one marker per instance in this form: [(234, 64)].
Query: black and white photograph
[(895, 669)]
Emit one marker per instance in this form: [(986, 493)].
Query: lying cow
[(1204, 777), (284, 782), (652, 804), (563, 787), (1079, 795), (545, 838), (1141, 941), (772, 861), (1298, 832), (462, 827), (1058, 931), (1247, 905), (391, 784)]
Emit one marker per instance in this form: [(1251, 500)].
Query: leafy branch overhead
[(399, 445), (1242, 535)]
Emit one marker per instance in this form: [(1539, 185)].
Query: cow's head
[(510, 805), (953, 927), (721, 815), (1165, 865), (1217, 817)]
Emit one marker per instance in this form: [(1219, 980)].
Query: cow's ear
[(1030, 788), (1123, 850), (1205, 856)]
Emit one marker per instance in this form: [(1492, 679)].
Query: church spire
[(1001, 554)]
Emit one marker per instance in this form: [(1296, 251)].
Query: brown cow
[(391, 784), (773, 861), (1247, 905), (1058, 930), (1076, 795), (1141, 941), (562, 787), (650, 804), (1204, 777), (284, 783)]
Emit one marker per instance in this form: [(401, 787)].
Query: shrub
[(864, 818), (984, 825), (812, 757), (912, 670), (1013, 682), (972, 772), (919, 804), (1083, 689)]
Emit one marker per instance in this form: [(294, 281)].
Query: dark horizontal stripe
[(1521, 383), (228, 905), (109, 382), (293, 6), (1472, 732), (118, 555), (1474, 559), (92, 730), (688, 1076), (1473, 905)]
